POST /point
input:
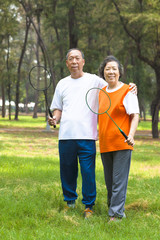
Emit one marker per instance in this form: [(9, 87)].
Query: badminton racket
[(99, 102), (40, 80)]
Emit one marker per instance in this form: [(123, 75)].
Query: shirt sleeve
[(131, 103), (102, 82), (57, 100)]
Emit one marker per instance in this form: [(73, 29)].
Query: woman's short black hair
[(110, 59)]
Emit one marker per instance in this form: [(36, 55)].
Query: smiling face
[(112, 74), (75, 63)]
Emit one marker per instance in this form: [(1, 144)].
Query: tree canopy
[(41, 32)]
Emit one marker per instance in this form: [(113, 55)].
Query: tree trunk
[(155, 118), (26, 101), (19, 68), (155, 107), (38, 63), (60, 50), (60, 47), (3, 101), (142, 111), (9, 81), (73, 39)]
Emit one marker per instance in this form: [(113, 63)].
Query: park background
[(41, 32)]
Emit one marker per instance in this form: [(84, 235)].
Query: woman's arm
[(134, 124)]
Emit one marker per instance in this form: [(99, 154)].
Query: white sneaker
[(71, 205)]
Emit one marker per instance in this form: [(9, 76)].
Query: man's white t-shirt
[(77, 120)]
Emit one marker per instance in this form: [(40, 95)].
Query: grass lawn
[(31, 200)]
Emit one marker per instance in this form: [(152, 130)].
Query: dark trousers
[(116, 171), (70, 151)]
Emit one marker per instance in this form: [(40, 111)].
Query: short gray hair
[(72, 50)]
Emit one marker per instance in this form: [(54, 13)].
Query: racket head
[(98, 100), (39, 78)]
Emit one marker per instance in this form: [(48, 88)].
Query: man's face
[(75, 62)]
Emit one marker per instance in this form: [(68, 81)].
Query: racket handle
[(126, 137), (51, 115)]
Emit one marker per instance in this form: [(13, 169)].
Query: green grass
[(146, 125), (31, 200), (23, 122)]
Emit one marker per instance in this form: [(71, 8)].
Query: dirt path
[(29, 130), (55, 131)]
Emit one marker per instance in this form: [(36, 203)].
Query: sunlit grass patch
[(146, 125), (23, 122)]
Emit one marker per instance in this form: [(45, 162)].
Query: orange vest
[(110, 138)]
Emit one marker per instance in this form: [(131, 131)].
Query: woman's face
[(111, 73)]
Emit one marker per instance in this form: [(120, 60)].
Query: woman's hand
[(130, 140)]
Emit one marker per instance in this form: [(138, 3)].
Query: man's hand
[(133, 88), (52, 121)]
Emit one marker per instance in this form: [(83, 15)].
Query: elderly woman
[(115, 149)]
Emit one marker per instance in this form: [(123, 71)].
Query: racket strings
[(40, 78), (104, 102), (98, 100)]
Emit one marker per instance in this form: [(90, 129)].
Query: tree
[(55, 27), (8, 27), (19, 67), (141, 22), (92, 25), (30, 11), (33, 12)]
